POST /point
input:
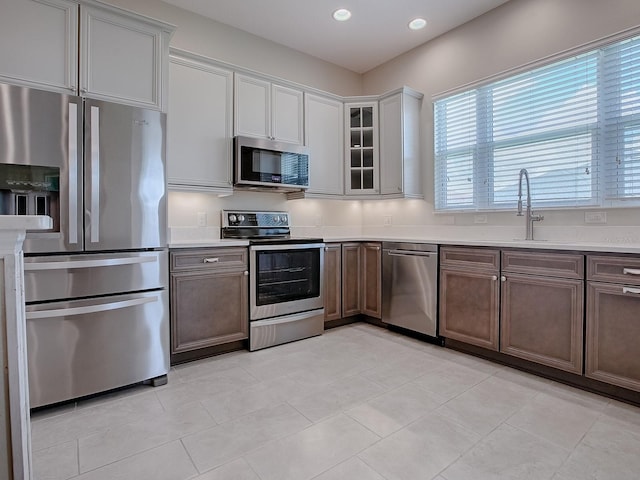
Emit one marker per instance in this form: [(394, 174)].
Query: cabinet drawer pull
[(211, 260), (635, 291), (631, 271)]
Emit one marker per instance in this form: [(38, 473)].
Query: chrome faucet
[(530, 217)]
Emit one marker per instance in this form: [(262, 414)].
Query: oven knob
[(283, 218), (276, 219), (232, 218), (241, 218)]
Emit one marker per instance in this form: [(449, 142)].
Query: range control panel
[(253, 219)]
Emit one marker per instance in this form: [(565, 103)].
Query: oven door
[(285, 279)]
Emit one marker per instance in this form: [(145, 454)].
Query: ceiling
[(376, 33)]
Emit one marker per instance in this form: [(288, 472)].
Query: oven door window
[(287, 275)]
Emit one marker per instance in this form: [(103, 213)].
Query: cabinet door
[(351, 293), (208, 309), (469, 306), (122, 58), (361, 148), (252, 107), (613, 334), (332, 282), (372, 280), (286, 114), (199, 126), (39, 46), (324, 135), (542, 320), (400, 165)]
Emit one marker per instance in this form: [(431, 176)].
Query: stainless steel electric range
[(285, 277)]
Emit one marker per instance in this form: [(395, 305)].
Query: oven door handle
[(286, 246)]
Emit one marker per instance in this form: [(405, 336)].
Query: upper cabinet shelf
[(85, 48)]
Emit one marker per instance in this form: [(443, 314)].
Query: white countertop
[(25, 222), (529, 244)]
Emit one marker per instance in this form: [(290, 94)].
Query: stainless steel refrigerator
[(96, 284)]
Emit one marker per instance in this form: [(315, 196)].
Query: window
[(574, 125)]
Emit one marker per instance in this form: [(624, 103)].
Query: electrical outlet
[(318, 220), (387, 219), (595, 217), (202, 219), (480, 218)]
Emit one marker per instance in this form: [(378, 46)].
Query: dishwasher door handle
[(411, 253)]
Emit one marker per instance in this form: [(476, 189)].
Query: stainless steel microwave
[(268, 164)]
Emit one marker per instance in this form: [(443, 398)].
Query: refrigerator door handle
[(64, 312), (106, 262), (95, 174), (72, 199)]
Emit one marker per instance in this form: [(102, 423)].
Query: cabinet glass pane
[(367, 138), (356, 160), (355, 139), (355, 180), (355, 118), (367, 158), (367, 117), (367, 179)]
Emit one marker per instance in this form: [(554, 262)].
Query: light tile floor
[(357, 403)]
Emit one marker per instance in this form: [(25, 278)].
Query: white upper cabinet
[(400, 172), (267, 110), (39, 44), (123, 58), (324, 136), (199, 125), (361, 149), (87, 48)]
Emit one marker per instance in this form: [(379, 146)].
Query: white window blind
[(573, 124)]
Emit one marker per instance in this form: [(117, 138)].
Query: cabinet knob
[(494, 278), (246, 273), (503, 278)]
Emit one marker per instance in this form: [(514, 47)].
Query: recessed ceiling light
[(417, 23), (342, 14)]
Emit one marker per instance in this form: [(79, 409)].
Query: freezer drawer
[(57, 277), (88, 346)]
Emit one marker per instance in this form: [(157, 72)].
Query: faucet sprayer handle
[(519, 208)]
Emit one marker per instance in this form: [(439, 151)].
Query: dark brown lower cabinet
[(332, 281), (209, 298), (351, 279), (541, 320), (613, 334), (372, 280), (469, 306)]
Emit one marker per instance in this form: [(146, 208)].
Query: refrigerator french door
[(98, 170)]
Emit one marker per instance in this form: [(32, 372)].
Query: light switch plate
[(387, 219)]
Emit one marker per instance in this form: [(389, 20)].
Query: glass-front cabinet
[(361, 155)]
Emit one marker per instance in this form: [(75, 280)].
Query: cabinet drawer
[(209, 259), (613, 269), (484, 258), (563, 265)]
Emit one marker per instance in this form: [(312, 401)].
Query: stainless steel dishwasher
[(410, 286)]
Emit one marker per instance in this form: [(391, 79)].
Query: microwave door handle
[(95, 175), (72, 146)]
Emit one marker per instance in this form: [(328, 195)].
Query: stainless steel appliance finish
[(85, 275), (101, 168), (80, 347), (293, 279), (286, 299), (260, 163), (410, 286)]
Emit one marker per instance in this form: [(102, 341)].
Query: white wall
[(514, 34), (215, 40)]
